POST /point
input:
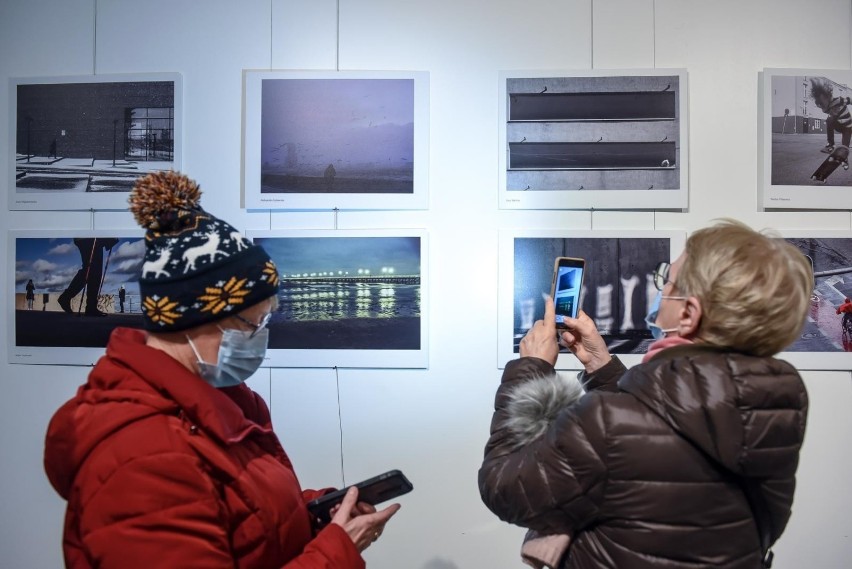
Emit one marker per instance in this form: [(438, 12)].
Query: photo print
[(82, 142), (344, 139), (593, 139), (804, 133), (348, 298), (71, 289), (826, 339), (617, 286)]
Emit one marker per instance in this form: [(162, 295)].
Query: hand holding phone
[(372, 491), (566, 286)]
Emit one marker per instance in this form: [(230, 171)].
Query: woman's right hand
[(585, 342), (363, 529)]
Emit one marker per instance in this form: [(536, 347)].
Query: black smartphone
[(373, 491), (566, 286)]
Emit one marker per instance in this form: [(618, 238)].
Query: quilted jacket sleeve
[(605, 378), (332, 548), (163, 511), (555, 483)]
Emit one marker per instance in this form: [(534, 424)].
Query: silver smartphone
[(566, 286)]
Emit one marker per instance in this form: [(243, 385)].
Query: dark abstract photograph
[(602, 139), (617, 284)]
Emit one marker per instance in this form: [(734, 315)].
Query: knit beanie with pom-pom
[(197, 268)]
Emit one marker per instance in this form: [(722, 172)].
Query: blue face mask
[(651, 319), (240, 355)]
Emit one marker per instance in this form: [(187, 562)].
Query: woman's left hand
[(362, 529), (540, 340), (360, 509)]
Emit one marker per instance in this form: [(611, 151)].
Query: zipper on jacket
[(193, 429)]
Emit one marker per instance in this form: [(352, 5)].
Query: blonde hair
[(754, 287)]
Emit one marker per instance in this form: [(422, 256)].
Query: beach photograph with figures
[(73, 290)]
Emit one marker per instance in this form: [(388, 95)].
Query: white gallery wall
[(431, 423)]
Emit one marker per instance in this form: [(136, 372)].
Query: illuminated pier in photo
[(350, 279)]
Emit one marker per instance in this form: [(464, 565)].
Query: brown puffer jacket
[(647, 472)]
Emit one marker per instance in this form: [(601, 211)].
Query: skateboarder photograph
[(805, 135), (838, 119)]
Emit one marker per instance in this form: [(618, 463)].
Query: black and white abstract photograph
[(355, 140), (82, 142), (805, 131), (348, 298), (602, 139), (617, 289), (826, 339), (71, 289)]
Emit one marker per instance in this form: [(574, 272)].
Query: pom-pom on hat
[(197, 268)]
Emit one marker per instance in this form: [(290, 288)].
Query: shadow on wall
[(440, 564)]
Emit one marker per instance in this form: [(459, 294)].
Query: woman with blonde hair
[(687, 459)]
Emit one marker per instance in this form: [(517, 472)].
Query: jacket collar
[(229, 414), (687, 350)]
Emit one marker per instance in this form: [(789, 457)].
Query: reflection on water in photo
[(338, 301)]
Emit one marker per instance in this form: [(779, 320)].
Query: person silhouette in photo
[(329, 175), (90, 274), (45, 298), (122, 294), (838, 118), (30, 294), (52, 151)]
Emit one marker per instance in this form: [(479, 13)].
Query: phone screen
[(566, 287)]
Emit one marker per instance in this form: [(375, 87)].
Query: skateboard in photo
[(839, 156)]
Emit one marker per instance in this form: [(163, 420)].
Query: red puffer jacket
[(649, 473), (162, 470)]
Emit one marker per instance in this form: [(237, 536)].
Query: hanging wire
[(340, 425), (336, 211), (337, 47), (92, 219), (654, 31), (592, 36), (95, 40)]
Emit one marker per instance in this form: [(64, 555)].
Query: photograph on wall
[(341, 139), (80, 143), (348, 298), (804, 133), (616, 292), (593, 139), (70, 290), (826, 339)]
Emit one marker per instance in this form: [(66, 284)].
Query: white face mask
[(657, 331), (240, 355)]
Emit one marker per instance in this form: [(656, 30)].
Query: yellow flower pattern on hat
[(270, 273), (223, 296), (160, 310)]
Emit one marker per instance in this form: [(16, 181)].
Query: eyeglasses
[(256, 328), (661, 275)]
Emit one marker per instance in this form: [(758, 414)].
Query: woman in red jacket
[(166, 458), (685, 460)]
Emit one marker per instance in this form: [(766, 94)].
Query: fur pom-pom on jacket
[(534, 405)]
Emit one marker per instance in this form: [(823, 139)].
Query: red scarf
[(662, 344)]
